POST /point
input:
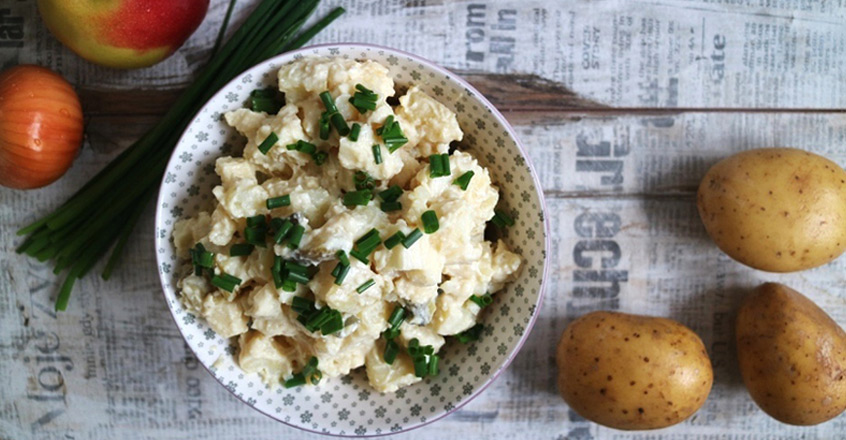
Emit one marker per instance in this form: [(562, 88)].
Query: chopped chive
[(335, 323), (412, 237), (355, 131), (445, 164), (436, 166), (365, 240), (362, 180), (342, 273), (277, 263), (360, 256), (230, 278), (364, 99), (278, 202), (296, 236), (391, 333), (320, 157), (413, 344), (300, 304), (390, 206), (377, 153), (305, 147), (297, 277), (471, 334), (342, 256), (501, 219), (366, 285), (278, 281), (282, 231), (391, 194), (296, 267), (325, 128), (310, 368), (430, 222), (241, 249), (397, 317), (482, 301), (295, 381), (268, 143), (340, 124), (391, 352), (392, 134), (289, 286), (464, 180), (225, 282), (200, 257), (256, 236), (337, 269), (318, 319), (358, 198), (256, 221), (315, 378), (421, 368), (328, 102), (395, 239), (433, 365)]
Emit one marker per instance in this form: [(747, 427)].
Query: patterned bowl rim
[(285, 57)]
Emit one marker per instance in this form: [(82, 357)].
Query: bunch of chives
[(104, 211)]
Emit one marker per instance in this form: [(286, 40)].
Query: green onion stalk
[(101, 215)]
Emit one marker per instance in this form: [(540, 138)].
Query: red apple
[(125, 34)]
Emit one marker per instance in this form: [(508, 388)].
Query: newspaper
[(115, 366)]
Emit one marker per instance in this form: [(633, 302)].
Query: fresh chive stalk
[(112, 198)]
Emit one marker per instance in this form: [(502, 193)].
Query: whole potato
[(632, 372), (776, 209), (792, 356)]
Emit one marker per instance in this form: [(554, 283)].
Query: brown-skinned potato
[(792, 356), (776, 209), (632, 372)]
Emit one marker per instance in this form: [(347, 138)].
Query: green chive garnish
[(268, 143), (395, 239), (433, 365), (397, 317), (412, 237), (342, 257), (390, 206), (501, 219), (296, 267), (278, 202), (295, 381), (355, 131), (421, 368), (282, 231), (377, 153), (430, 222), (471, 334), (320, 157), (391, 352), (482, 301), (369, 240), (289, 286), (334, 324), (296, 236), (256, 221), (343, 270), (364, 99), (325, 128), (241, 249), (392, 134), (225, 281), (439, 165), (464, 180), (300, 304), (366, 285), (298, 277), (362, 180), (391, 194), (328, 102), (360, 256), (358, 198), (256, 236)]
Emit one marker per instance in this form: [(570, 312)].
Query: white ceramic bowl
[(348, 406)]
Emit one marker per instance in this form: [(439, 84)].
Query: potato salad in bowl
[(350, 233), (351, 240)]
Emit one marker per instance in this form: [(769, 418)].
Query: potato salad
[(348, 234)]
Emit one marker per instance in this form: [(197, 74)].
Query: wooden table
[(115, 366)]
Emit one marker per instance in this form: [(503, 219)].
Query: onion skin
[(41, 126)]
